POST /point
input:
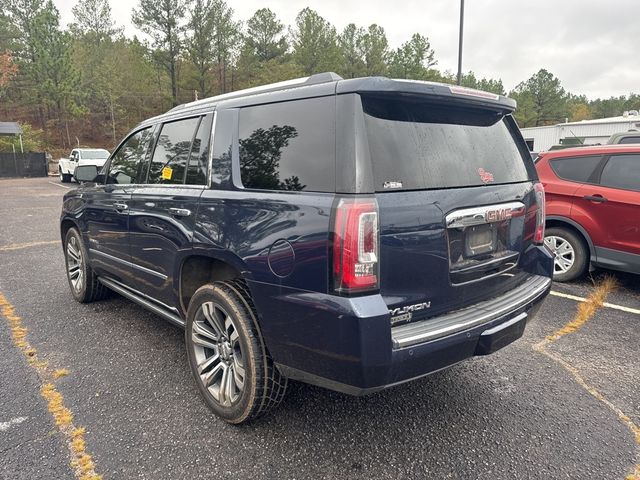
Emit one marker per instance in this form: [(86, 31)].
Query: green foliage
[(375, 50), (350, 44), (315, 43), (32, 140), (413, 60), (541, 100), (485, 84), (57, 79), (92, 83), (265, 38), (93, 21), (162, 20)]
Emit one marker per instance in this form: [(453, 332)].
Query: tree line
[(89, 84)]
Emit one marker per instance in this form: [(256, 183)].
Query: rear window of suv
[(416, 146)]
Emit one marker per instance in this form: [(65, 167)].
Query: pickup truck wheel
[(571, 254), (227, 357), (64, 177), (84, 284)]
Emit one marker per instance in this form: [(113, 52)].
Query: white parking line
[(58, 185), (4, 426), (608, 305)]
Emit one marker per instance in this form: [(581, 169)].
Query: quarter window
[(288, 146), (575, 169), (171, 155), (124, 167), (622, 171)]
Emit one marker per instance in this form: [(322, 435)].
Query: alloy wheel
[(75, 264), (218, 353), (565, 255)]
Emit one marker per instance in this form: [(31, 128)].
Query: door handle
[(120, 207), (180, 212), (595, 198)]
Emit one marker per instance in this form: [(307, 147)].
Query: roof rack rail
[(314, 79)]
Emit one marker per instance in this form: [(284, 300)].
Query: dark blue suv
[(353, 234)]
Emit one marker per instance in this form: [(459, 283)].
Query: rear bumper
[(347, 344)]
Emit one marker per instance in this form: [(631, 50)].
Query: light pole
[(460, 42)]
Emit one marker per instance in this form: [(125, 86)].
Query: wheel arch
[(200, 268), (557, 221), (65, 225)]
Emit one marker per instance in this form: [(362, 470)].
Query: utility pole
[(460, 42)]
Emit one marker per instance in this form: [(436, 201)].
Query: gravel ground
[(515, 414)]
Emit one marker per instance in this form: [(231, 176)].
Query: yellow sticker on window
[(167, 172)]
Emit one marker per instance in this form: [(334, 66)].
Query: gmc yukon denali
[(353, 234)]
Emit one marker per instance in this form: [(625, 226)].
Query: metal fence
[(23, 165)]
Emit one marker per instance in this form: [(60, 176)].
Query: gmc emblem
[(498, 215)]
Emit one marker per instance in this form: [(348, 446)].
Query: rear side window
[(171, 155), (416, 145), (622, 171), (575, 169), (124, 167), (629, 140), (288, 146)]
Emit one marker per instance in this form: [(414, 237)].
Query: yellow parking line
[(586, 309), (605, 304), (81, 462), (20, 246)]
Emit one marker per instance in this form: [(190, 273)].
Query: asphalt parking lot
[(564, 410)]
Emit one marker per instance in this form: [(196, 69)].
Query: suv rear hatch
[(456, 201)]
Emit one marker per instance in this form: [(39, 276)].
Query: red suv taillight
[(355, 245), (538, 236)]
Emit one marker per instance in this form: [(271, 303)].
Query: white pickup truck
[(81, 156)]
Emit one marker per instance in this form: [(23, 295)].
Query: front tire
[(84, 284), (229, 362), (571, 254)]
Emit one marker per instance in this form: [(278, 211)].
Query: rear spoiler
[(436, 90)]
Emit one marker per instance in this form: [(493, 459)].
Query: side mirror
[(86, 173)]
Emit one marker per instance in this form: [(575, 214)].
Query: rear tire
[(572, 253), (64, 177), (84, 284), (227, 356)]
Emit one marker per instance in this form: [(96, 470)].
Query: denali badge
[(498, 215), (391, 184), (404, 314)]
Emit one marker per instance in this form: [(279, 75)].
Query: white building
[(540, 139)]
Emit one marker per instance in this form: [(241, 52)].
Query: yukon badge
[(405, 314)]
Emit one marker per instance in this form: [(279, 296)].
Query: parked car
[(624, 138), (81, 156), (593, 208), (353, 234)]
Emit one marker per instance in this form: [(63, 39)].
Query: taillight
[(355, 245), (538, 236)]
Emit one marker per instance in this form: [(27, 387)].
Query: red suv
[(593, 208)]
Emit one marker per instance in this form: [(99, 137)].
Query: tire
[(64, 177), (571, 253), (83, 283), (227, 356)]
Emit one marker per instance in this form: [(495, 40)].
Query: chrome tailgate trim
[(483, 312)]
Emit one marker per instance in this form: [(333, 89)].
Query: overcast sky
[(591, 45)]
